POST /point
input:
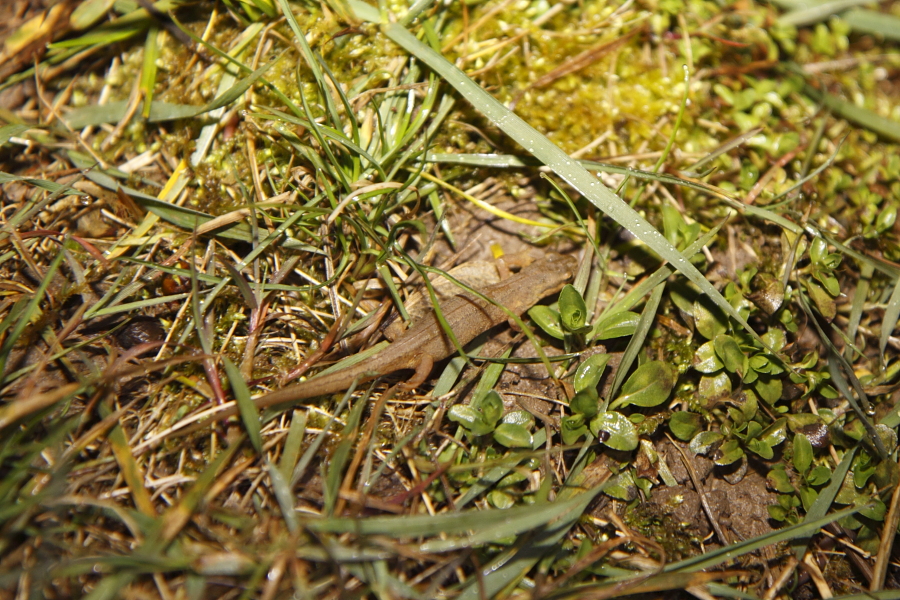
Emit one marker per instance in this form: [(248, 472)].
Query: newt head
[(554, 271)]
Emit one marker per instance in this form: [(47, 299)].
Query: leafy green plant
[(648, 386)]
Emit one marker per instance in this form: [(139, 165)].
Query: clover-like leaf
[(730, 353), (649, 385), (614, 430), (572, 310), (519, 417), (713, 387), (513, 436), (705, 440), (706, 360), (470, 418), (803, 454), (620, 324), (548, 320), (685, 425), (819, 475), (589, 372), (585, 403), (572, 428), (709, 322), (779, 481), (491, 407), (728, 453)]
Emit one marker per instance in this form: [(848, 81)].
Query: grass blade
[(249, 412)]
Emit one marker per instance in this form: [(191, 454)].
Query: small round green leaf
[(730, 353), (585, 403), (519, 417), (704, 440), (818, 249), (775, 433), (715, 386), (513, 436), (501, 500), (685, 425), (823, 300), (709, 322), (491, 407), (621, 487), (615, 430), (807, 497), (728, 453), (819, 475), (760, 447), (572, 310), (874, 509), (470, 419), (649, 385), (774, 338), (803, 453), (705, 359), (769, 388), (620, 324), (572, 428), (548, 320), (779, 481), (589, 372)]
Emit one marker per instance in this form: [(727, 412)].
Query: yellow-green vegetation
[(203, 203)]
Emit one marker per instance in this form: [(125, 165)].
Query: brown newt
[(425, 343)]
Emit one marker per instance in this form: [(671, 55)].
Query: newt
[(425, 342)]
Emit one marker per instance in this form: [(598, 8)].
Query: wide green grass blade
[(863, 117), (501, 523), (874, 22), (248, 410), (807, 13)]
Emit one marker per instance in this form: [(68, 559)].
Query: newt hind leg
[(423, 370)]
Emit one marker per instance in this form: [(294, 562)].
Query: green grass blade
[(505, 522), (636, 343), (863, 117), (716, 557), (249, 412), (807, 13), (889, 321), (31, 311), (283, 495), (874, 22)]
